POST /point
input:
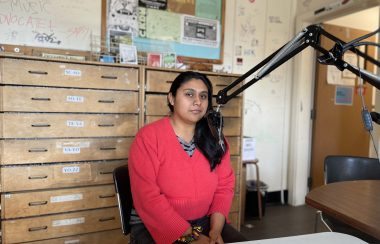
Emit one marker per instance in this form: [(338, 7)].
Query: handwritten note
[(66, 24)]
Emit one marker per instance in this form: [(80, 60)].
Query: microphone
[(375, 117)]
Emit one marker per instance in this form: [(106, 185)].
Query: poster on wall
[(155, 4), (122, 15), (199, 31)]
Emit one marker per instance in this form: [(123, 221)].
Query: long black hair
[(204, 139)]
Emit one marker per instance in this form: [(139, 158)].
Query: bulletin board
[(192, 29), (57, 24)]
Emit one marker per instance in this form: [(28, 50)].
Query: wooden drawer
[(235, 203), (236, 164), (159, 81), (220, 82), (150, 119), (33, 177), (234, 145), (232, 126), (53, 226), (59, 74), (234, 220), (156, 105), (63, 150), (45, 99), (231, 109), (27, 204), (109, 237), (237, 184), (34, 125)]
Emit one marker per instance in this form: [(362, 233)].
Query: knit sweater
[(169, 187)]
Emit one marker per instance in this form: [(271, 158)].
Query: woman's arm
[(163, 222)]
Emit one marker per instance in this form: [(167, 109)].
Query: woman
[(181, 177)]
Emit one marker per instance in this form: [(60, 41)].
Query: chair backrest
[(124, 196), (348, 168)]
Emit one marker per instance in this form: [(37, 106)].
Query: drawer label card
[(75, 99), (66, 198), (73, 221), (75, 123), (73, 72), (71, 241), (81, 144), (71, 170), (71, 150)]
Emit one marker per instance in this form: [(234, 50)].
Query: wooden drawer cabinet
[(34, 125), (26, 204), (66, 74), (45, 99), (234, 218), (32, 177), (64, 127), (63, 150), (108, 237), (53, 226)]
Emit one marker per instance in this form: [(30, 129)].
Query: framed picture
[(154, 59), (169, 60), (116, 37), (128, 54)]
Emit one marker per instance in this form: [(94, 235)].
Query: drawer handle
[(38, 203), (221, 85), (109, 77), (106, 219), (105, 172), (106, 125), (40, 99), (40, 125), (37, 150), (169, 81), (107, 196), (37, 177), (37, 72), (106, 101), (38, 228), (108, 148)]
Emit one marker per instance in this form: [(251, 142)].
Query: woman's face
[(191, 101)]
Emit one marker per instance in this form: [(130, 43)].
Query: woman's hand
[(215, 237)]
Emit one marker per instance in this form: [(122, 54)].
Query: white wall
[(258, 29), (280, 109)]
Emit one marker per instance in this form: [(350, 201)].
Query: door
[(337, 127)]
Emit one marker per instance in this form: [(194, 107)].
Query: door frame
[(302, 103)]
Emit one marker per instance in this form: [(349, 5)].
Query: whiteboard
[(68, 24)]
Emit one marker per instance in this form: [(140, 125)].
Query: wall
[(254, 30), (295, 147)]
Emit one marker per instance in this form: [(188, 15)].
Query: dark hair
[(203, 137)]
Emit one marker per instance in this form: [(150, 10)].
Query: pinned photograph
[(154, 59), (128, 54), (169, 60)]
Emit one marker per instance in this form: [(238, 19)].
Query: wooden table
[(356, 203)]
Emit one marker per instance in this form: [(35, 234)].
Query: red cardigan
[(169, 187)]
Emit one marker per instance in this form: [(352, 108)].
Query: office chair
[(348, 168), (124, 196)]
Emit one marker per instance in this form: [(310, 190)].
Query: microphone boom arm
[(310, 36)]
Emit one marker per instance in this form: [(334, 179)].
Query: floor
[(280, 221)]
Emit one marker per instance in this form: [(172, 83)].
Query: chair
[(124, 196), (348, 168)]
